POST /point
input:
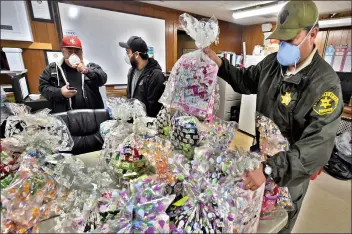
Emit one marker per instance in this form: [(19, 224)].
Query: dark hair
[(144, 56), (307, 29)]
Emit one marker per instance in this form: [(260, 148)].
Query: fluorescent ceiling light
[(73, 12), (258, 11), (335, 22)]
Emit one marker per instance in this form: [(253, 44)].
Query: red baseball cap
[(71, 41)]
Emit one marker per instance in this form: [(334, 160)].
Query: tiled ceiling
[(223, 9)]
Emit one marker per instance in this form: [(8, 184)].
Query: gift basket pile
[(28, 193), (175, 173)]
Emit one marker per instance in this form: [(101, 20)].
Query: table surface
[(273, 225)]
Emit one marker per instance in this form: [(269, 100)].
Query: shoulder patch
[(326, 104)]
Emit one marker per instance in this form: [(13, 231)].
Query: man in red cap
[(72, 82)]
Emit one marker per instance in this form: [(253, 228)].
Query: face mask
[(127, 59), (74, 60), (131, 61), (289, 54)]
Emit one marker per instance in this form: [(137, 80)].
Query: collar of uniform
[(305, 63)]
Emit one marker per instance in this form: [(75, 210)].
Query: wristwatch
[(267, 170)]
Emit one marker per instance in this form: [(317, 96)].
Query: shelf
[(26, 45), (12, 73)]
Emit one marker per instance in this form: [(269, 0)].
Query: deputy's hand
[(254, 179), (212, 55), (68, 93), (81, 68)]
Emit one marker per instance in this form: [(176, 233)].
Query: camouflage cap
[(293, 18)]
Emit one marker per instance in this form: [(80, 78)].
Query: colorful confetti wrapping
[(244, 206), (141, 209), (212, 185), (272, 142), (218, 133), (191, 86), (225, 169), (25, 201)]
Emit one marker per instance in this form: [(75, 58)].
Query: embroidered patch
[(326, 104)]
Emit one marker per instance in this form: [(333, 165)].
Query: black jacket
[(53, 79), (149, 87), (306, 107)]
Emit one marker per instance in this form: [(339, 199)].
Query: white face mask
[(127, 59), (74, 60)]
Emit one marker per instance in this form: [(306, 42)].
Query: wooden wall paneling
[(230, 38), (253, 36), (34, 61), (26, 45), (53, 36)]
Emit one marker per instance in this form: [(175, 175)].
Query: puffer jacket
[(54, 78)]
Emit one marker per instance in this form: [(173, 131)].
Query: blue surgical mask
[(289, 54)]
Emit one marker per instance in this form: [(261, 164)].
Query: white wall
[(101, 30)]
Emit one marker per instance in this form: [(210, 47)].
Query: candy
[(272, 142), (141, 209), (25, 199), (191, 86)]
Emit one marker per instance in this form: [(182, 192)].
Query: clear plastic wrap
[(27, 199), (192, 84), (158, 151), (185, 133), (114, 132), (9, 162), (212, 183), (272, 142), (128, 162), (4, 112), (203, 32), (163, 122), (38, 130), (218, 133), (107, 126), (200, 208), (141, 209), (78, 193), (126, 109), (343, 144)]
